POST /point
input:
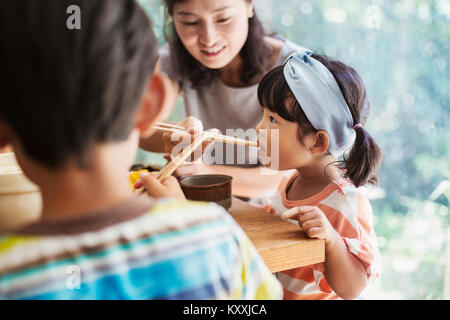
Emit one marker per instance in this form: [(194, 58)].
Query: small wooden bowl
[(209, 188)]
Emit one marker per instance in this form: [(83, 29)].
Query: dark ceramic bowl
[(141, 166), (208, 187)]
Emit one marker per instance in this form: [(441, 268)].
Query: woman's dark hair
[(63, 90), (364, 159), (256, 54)]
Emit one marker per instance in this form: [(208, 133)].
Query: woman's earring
[(251, 14)]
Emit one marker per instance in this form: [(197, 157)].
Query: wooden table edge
[(279, 257)]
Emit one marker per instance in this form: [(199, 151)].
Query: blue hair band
[(321, 99)]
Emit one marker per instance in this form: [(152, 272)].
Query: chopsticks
[(168, 127), (179, 159), (170, 167)]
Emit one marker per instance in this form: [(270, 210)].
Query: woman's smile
[(212, 53)]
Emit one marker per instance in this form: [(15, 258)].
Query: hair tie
[(358, 125)]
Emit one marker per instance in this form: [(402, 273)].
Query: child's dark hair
[(363, 161), (63, 90), (256, 54)]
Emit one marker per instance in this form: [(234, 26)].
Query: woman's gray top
[(223, 107)]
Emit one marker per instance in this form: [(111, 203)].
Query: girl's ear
[(156, 105), (321, 142)]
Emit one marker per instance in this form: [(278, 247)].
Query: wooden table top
[(281, 244)]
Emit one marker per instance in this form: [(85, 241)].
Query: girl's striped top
[(143, 249), (350, 213)]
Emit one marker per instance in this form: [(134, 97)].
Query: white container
[(20, 199)]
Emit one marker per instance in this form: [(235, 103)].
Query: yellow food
[(134, 177)]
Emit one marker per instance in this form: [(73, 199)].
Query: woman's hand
[(164, 142), (195, 164), (169, 188), (191, 125), (313, 222)]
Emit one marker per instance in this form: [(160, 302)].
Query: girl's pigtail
[(364, 159)]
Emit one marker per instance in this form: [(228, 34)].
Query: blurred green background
[(401, 49)]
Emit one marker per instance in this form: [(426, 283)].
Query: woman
[(216, 54)]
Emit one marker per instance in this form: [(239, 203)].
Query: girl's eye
[(272, 119)]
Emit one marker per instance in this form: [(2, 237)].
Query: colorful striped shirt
[(143, 249), (350, 213)]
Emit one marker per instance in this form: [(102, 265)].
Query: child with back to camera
[(317, 105), (73, 104)]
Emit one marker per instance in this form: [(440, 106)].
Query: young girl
[(317, 106)]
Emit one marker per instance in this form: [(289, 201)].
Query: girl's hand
[(313, 222), (169, 188)]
